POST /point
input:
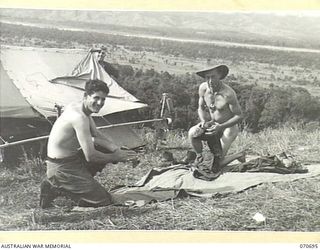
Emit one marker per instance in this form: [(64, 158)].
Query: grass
[(287, 206)]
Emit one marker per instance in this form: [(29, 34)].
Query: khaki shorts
[(72, 176)]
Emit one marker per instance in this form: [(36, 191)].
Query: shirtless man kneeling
[(67, 166), (220, 129)]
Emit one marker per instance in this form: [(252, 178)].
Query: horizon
[(311, 13)]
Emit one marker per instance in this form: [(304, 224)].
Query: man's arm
[(231, 122), (100, 139), (92, 50), (82, 128), (202, 104), (235, 108), (106, 144)]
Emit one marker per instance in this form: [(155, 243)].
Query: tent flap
[(27, 90), (89, 68), (34, 90), (12, 103)]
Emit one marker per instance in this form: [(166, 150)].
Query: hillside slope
[(291, 30)]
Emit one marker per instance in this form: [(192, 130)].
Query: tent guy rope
[(9, 144)]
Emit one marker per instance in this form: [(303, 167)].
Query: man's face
[(212, 78), (101, 55), (95, 101)]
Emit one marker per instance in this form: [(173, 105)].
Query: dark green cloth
[(281, 164)]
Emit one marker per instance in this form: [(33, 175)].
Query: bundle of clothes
[(282, 163)]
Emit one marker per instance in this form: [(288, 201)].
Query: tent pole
[(9, 144), (168, 120), (3, 140)]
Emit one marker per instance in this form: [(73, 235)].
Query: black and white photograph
[(159, 120)]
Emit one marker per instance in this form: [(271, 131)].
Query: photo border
[(162, 236)]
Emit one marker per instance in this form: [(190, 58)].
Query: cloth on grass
[(280, 163), (178, 181)]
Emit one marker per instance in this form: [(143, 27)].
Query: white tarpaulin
[(170, 182), (31, 69)]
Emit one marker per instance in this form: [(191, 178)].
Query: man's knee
[(195, 132), (231, 133), (191, 132)]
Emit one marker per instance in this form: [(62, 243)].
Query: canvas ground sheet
[(178, 181)]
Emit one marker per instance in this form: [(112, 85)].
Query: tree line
[(262, 107), (190, 50)]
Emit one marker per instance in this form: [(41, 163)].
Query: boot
[(215, 166), (47, 194)]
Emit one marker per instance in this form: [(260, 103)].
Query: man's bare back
[(63, 140), (70, 171)]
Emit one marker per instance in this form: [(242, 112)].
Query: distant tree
[(125, 70)]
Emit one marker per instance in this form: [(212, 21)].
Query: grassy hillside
[(296, 30), (287, 206), (250, 66)]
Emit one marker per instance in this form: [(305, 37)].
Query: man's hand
[(124, 155), (202, 124), (214, 129)]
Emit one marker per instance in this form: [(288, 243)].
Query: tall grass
[(287, 206), (295, 139), (299, 141)]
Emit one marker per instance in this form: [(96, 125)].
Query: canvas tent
[(35, 80)]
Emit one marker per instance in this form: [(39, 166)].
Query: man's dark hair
[(95, 86)]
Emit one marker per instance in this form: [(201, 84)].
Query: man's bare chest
[(215, 101)]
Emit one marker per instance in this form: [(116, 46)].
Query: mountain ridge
[(291, 28)]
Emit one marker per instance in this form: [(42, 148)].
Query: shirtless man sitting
[(68, 166), (220, 129)]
